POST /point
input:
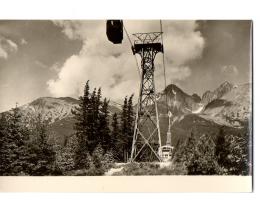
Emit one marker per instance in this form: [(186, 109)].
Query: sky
[(56, 58)]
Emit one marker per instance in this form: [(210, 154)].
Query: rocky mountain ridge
[(228, 105)]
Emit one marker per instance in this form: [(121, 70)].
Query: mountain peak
[(178, 101), (53, 100), (223, 89), (172, 89), (196, 97), (226, 84), (55, 108)]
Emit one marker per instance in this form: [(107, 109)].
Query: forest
[(99, 142)]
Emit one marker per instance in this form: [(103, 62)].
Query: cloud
[(113, 67), (3, 53), (229, 70), (55, 67), (182, 42), (23, 41), (6, 46), (40, 64)]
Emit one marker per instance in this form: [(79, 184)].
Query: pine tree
[(13, 148), (203, 160), (123, 139), (125, 136), (115, 134), (65, 155), (221, 147), (93, 121), (104, 130), (184, 154), (189, 149), (92, 127), (82, 115), (232, 154), (130, 124), (115, 128), (4, 139), (41, 155)]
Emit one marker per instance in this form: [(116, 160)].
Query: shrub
[(196, 157), (144, 169), (232, 155), (203, 160)]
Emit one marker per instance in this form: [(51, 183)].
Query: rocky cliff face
[(234, 106), (54, 109), (179, 102), (209, 96), (51, 109)]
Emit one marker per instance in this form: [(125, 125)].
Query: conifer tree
[(221, 147), (92, 121), (104, 130), (65, 155), (82, 128), (91, 126), (184, 154), (130, 124), (115, 134), (41, 155), (232, 154), (4, 139), (13, 148), (188, 149), (125, 137), (203, 160), (124, 131)]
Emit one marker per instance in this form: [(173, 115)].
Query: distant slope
[(198, 125), (50, 109), (58, 113), (233, 108), (227, 107), (223, 89)]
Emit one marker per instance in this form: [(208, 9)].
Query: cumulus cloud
[(55, 67), (113, 67), (6, 46), (229, 69), (23, 41)]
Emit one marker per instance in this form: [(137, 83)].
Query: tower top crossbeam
[(148, 42), (146, 38)]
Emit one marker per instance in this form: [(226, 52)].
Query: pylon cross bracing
[(147, 138)]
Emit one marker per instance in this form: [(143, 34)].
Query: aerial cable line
[(134, 55), (164, 69)]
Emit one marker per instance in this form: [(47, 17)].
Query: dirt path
[(111, 171), (118, 167)]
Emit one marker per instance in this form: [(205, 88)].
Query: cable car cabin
[(115, 31), (166, 152)]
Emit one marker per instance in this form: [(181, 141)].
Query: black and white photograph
[(120, 97)]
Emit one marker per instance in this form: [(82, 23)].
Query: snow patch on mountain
[(199, 110)]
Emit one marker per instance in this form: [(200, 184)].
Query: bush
[(233, 155), (197, 157), (144, 169), (203, 161), (96, 164)]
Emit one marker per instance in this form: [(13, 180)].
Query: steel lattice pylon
[(147, 138)]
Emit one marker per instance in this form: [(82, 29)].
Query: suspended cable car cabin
[(165, 153), (115, 31)]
